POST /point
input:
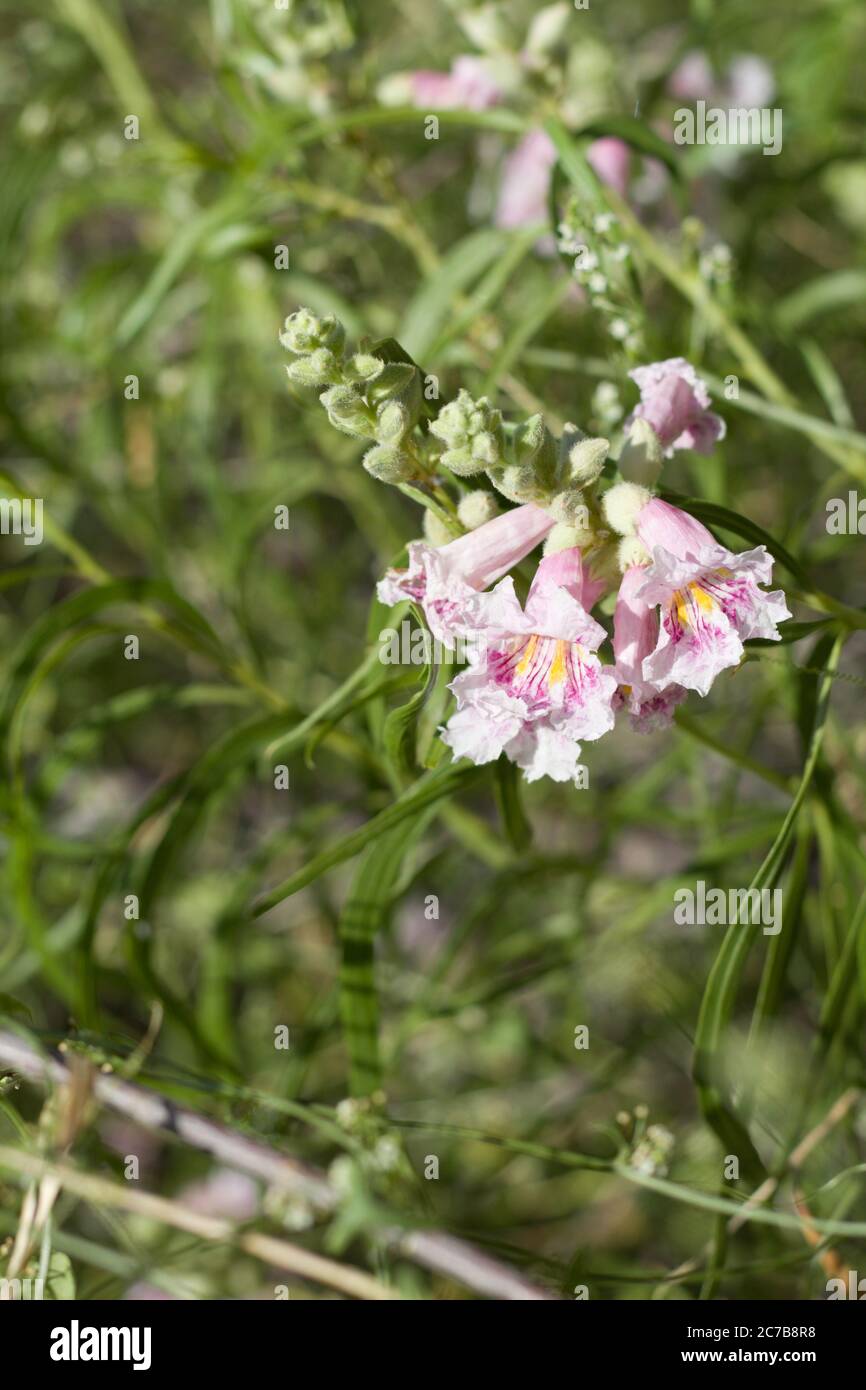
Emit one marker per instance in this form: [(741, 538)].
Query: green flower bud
[(389, 463), (461, 462), (518, 484), (640, 459), (304, 331), (363, 367), (394, 380), (562, 537), (349, 412), (569, 506), (393, 421), (472, 434), (534, 448), (475, 508), (319, 369), (585, 461)]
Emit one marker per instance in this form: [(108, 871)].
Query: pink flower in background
[(611, 160), (675, 402), (468, 86), (693, 77), (447, 582), (224, 1192), (525, 186), (748, 81), (537, 688), (708, 597), (635, 636)]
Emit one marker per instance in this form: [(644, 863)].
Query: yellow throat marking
[(700, 597)]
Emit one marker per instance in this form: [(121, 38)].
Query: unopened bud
[(392, 422), (586, 461), (472, 434), (349, 412), (363, 367), (305, 331), (641, 457), (622, 504), (389, 463), (569, 506), (319, 369), (476, 508)]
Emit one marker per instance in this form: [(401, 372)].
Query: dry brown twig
[(435, 1251)]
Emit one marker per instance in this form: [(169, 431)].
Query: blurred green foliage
[(144, 398)]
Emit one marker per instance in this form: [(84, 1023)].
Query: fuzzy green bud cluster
[(317, 343), (366, 397), (472, 434)]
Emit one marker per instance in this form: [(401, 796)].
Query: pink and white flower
[(537, 687), (447, 581), (469, 86), (675, 402), (525, 186), (635, 637), (748, 81), (610, 157), (708, 597)]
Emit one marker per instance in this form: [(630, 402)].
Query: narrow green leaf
[(432, 787)]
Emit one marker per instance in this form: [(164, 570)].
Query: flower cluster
[(366, 396), (535, 687)]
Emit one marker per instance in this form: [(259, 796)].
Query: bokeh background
[(144, 398)]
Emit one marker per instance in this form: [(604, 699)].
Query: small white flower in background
[(716, 264), (347, 1113), (652, 1154), (606, 403), (386, 1154)]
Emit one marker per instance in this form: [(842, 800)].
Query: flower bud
[(640, 459), (518, 484), (585, 461), (349, 412), (472, 434), (564, 537), (362, 367), (476, 508), (305, 331), (392, 422), (394, 380), (569, 506), (320, 368), (389, 463), (534, 448), (548, 28), (622, 505)]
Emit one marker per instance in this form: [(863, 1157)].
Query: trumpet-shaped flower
[(536, 688), (447, 582), (635, 636), (708, 597), (675, 402)]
